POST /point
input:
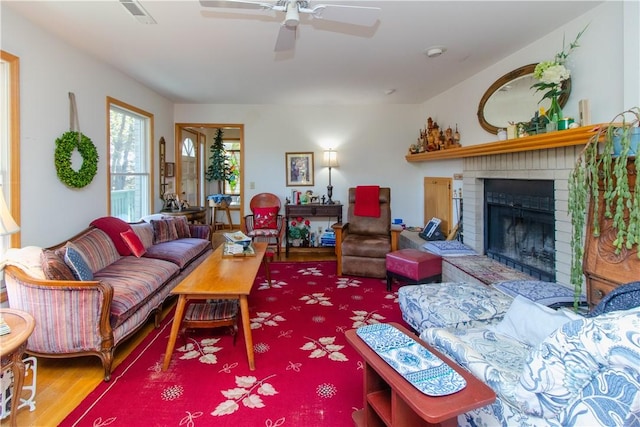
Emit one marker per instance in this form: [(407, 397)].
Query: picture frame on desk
[(299, 169)]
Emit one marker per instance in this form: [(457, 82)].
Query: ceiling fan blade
[(286, 38), (237, 4), (356, 15)]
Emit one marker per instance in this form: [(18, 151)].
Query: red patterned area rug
[(306, 373)]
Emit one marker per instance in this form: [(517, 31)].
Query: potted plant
[(299, 232), (597, 165)]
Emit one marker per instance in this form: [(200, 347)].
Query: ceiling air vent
[(138, 12)]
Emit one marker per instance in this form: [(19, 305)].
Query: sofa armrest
[(395, 237), (71, 316)]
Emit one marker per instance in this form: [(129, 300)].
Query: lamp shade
[(7, 224), (330, 159)]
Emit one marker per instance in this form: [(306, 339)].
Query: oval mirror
[(511, 99)]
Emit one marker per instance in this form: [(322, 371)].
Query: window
[(190, 170), (232, 187), (130, 165)]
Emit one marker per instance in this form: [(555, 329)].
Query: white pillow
[(156, 216), (529, 322)]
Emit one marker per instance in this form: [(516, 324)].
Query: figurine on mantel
[(432, 138)]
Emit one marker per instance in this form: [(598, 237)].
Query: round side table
[(12, 346)]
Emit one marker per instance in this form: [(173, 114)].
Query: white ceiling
[(226, 56)]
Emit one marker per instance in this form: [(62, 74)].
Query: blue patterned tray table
[(391, 400), (425, 371)]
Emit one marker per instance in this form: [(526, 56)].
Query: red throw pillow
[(113, 227), (265, 217), (133, 242)]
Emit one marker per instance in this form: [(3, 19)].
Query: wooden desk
[(391, 400), (194, 215), (12, 346), (311, 210), (219, 278)]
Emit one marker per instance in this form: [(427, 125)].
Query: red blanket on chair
[(367, 201)]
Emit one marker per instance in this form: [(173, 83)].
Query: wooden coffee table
[(391, 400), (219, 277)]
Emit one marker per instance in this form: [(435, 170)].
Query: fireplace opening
[(520, 225)]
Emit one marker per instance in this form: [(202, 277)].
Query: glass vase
[(555, 112)]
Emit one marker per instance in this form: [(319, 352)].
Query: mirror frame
[(512, 75)]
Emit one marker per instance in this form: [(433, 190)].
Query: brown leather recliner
[(363, 242)]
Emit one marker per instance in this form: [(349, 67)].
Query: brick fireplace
[(547, 164)]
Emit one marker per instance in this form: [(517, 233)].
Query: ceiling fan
[(354, 15)]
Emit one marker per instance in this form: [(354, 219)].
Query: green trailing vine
[(65, 145), (595, 170)]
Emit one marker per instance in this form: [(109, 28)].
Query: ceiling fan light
[(293, 16)]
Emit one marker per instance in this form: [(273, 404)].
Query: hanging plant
[(65, 145), (597, 174)]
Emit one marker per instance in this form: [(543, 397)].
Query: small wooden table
[(391, 400), (219, 277), (12, 346), (311, 210)]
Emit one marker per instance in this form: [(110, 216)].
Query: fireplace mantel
[(563, 138)]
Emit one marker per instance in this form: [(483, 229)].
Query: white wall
[(49, 70), (597, 66), (371, 142)]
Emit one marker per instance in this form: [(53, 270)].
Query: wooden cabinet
[(437, 202), (604, 268)]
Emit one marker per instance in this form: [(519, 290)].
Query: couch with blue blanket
[(465, 305), (96, 289), (553, 368)]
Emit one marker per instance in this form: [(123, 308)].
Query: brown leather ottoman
[(413, 266)]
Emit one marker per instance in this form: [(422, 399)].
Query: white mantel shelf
[(557, 139)]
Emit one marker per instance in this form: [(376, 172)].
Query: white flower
[(555, 74)]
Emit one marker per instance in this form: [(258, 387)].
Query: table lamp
[(330, 160), (7, 224)]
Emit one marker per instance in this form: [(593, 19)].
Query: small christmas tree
[(218, 168)]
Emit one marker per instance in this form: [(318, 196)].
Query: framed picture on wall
[(299, 169), (169, 169)]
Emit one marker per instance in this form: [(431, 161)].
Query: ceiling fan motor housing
[(292, 19)]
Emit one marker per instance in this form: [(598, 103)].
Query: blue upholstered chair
[(621, 298)]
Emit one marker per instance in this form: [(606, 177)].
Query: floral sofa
[(99, 287), (466, 305), (552, 368)]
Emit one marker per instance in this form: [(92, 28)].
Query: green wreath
[(64, 149)]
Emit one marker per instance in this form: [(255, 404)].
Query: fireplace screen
[(520, 225)]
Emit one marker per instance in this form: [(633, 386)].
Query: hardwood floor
[(63, 383)]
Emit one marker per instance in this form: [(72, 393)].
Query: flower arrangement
[(300, 228), (551, 76)]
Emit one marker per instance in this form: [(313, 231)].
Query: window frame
[(150, 150), (11, 179)]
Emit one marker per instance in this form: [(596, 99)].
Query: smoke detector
[(435, 51)]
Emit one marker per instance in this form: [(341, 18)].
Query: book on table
[(4, 327), (238, 237), (236, 250)]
